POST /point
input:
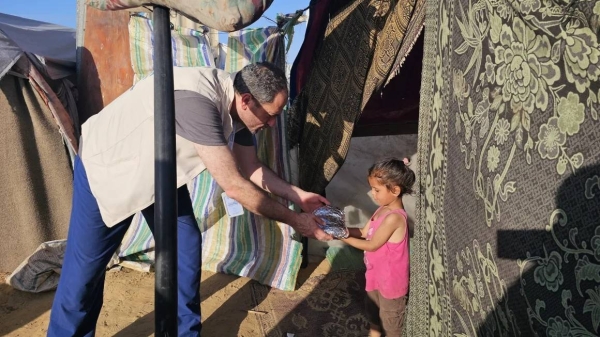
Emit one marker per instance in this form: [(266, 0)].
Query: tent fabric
[(508, 237), (40, 271), (226, 16), (251, 46), (325, 112), (10, 53), (317, 23), (395, 109), (37, 105), (47, 54), (190, 47), (28, 67), (413, 32), (50, 42), (251, 246), (35, 172), (254, 246), (222, 52), (389, 39)]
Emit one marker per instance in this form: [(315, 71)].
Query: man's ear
[(246, 99)]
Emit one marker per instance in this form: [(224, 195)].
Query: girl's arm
[(360, 233), (382, 235), (355, 233)]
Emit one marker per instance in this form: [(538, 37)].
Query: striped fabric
[(249, 246), (190, 47), (250, 46)]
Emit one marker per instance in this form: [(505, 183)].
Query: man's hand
[(310, 201), (266, 179), (307, 226)]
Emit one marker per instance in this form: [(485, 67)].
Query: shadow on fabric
[(332, 95), (90, 93), (558, 290), (35, 173)]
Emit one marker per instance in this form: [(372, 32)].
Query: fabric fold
[(353, 61)]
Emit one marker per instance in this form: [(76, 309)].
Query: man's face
[(257, 116)]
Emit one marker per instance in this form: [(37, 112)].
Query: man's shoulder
[(205, 76)]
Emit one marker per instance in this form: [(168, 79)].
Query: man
[(216, 114)]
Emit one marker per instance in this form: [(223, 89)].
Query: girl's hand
[(310, 201), (346, 234)]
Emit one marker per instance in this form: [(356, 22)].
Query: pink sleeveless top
[(388, 267)]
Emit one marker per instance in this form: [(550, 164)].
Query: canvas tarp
[(39, 138), (35, 172), (47, 52)]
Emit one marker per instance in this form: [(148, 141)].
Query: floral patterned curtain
[(508, 241)]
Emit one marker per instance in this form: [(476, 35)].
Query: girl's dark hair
[(393, 172)]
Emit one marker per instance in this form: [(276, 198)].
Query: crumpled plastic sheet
[(334, 221)]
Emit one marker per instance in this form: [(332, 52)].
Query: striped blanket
[(263, 249), (190, 47), (252, 45), (250, 246)]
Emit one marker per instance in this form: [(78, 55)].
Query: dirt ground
[(128, 309)]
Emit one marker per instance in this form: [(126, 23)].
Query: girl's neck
[(394, 205)]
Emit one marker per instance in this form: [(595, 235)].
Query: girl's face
[(382, 195)]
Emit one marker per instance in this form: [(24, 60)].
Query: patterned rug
[(508, 241), (326, 306)]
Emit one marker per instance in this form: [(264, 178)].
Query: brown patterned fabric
[(329, 305), (389, 40), (508, 236), (413, 32), (360, 45)]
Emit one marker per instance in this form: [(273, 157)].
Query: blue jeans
[(90, 246)]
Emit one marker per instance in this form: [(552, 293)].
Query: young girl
[(385, 242)]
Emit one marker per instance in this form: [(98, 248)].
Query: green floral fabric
[(508, 241)]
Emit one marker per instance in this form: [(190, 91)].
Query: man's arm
[(221, 164), (254, 170)]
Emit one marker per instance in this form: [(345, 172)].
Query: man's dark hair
[(262, 80)]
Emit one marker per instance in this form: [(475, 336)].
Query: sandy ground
[(128, 309)]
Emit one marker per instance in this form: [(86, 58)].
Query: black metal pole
[(165, 209)]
